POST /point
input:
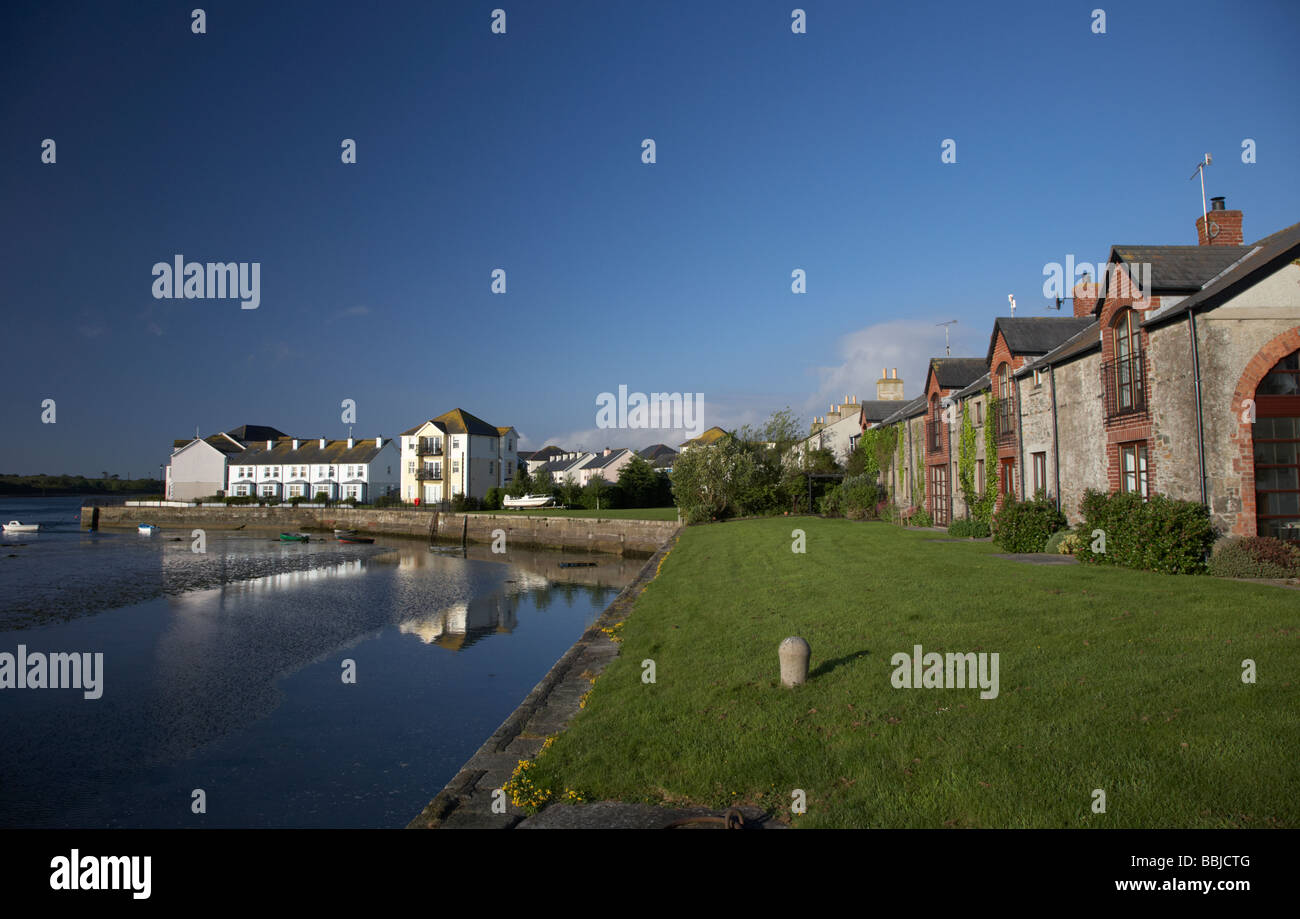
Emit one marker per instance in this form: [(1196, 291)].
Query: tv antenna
[(946, 350), (1205, 214)]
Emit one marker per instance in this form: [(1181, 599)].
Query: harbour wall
[(623, 537)]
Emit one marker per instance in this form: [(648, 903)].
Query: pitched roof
[(1267, 256), (1176, 269), (334, 453), (600, 460), (878, 409), (248, 433), (459, 421), (1085, 340), (548, 453), (1034, 334), (956, 372), (907, 410), (712, 435), (976, 387)]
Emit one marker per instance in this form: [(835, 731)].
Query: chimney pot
[(295, 443), (1216, 204), (351, 443), (379, 441)]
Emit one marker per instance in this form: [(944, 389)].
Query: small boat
[(147, 529), (294, 537), (577, 564), (528, 501), (354, 538), (13, 526), (345, 532)]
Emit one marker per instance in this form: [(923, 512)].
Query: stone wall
[(634, 537), (1081, 431)]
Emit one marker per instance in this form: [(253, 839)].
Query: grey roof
[(977, 387), (547, 452), (248, 433), (1267, 256), (600, 460), (1179, 269), (560, 465), (879, 409), (437, 424), (1085, 340), (334, 453), (907, 410), (1035, 334), (956, 372)]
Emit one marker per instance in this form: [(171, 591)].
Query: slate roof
[(437, 424), (547, 453), (335, 453), (879, 409), (1035, 334), (1179, 269), (1085, 340), (1267, 256), (248, 433), (956, 372), (907, 410), (220, 442), (600, 460), (974, 388)]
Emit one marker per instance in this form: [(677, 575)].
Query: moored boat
[(147, 529), (355, 538), (338, 532), (13, 526), (294, 537), (527, 501)]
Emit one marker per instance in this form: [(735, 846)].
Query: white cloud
[(907, 344)]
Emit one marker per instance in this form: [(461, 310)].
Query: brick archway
[(1255, 371)]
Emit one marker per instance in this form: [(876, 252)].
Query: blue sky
[(522, 151)]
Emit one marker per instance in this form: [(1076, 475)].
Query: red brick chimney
[(1086, 294), (1225, 227)]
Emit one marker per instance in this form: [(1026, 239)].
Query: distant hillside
[(38, 485)]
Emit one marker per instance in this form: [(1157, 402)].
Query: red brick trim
[(1256, 369)]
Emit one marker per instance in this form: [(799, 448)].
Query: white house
[(290, 467), (455, 454), (199, 466)]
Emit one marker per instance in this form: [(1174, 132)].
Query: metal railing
[(1125, 383)]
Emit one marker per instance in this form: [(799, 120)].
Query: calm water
[(223, 670)]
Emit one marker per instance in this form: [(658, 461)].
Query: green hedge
[(1025, 526), (975, 529), (1159, 534), (1255, 557)]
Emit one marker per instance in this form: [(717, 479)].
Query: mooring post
[(794, 653)]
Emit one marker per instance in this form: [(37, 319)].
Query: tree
[(598, 494), (543, 482), (521, 484), (707, 481), (639, 484), (570, 491)]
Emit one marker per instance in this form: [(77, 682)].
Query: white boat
[(528, 501), (13, 526), (147, 529)]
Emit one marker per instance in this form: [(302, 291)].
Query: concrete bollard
[(794, 653)]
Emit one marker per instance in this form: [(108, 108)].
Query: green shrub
[(391, 500), (239, 499), (1159, 534), (1054, 541), (920, 518), (1255, 557), (1025, 526), (831, 504), (462, 503), (888, 512), (969, 529), (858, 497), (321, 497), (492, 500)]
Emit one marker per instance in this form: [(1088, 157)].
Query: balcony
[(1004, 423), (1125, 382), (934, 435), (428, 473), (428, 448)]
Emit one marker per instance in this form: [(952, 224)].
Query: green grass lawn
[(630, 513), (1114, 679)]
